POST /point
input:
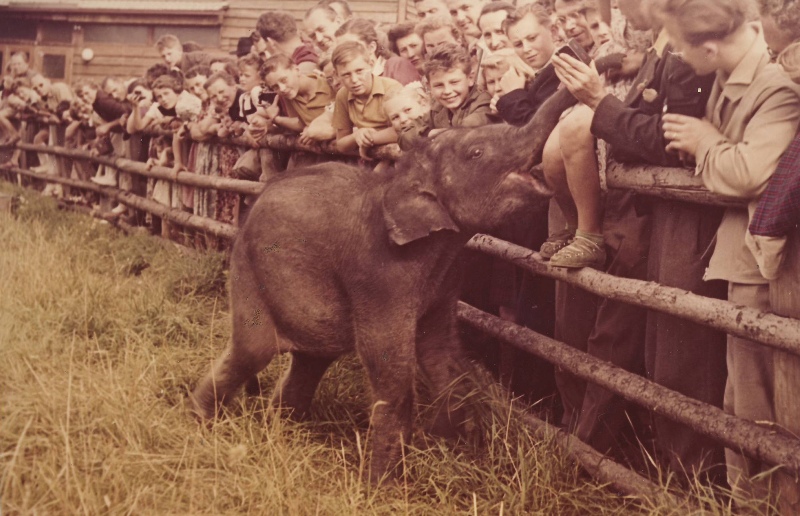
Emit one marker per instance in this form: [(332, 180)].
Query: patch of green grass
[(102, 335)]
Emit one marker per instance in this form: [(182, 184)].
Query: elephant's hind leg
[(296, 389), (253, 346)]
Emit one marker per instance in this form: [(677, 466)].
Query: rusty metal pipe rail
[(735, 433)]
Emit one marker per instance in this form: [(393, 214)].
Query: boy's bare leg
[(582, 174), (556, 176), (576, 143)]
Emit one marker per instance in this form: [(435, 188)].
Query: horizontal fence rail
[(780, 333), (735, 433), (669, 183), (177, 216)]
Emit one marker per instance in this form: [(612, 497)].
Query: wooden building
[(70, 39)]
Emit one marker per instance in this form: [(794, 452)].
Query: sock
[(596, 238)]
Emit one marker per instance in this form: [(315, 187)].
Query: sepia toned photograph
[(420, 257)]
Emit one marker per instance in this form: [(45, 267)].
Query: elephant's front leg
[(443, 364), (385, 345)]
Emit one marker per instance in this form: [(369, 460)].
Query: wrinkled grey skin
[(336, 258)]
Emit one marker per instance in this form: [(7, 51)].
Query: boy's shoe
[(41, 169), (582, 252), (556, 242)]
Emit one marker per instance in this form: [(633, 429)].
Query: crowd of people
[(706, 84)]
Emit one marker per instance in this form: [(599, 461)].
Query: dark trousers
[(609, 330), (681, 355)]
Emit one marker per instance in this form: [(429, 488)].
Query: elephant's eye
[(475, 153)]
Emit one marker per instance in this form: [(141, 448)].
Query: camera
[(266, 97), (574, 49)]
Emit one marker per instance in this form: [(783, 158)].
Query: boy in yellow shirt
[(358, 114)]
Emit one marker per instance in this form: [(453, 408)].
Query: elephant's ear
[(411, 212)]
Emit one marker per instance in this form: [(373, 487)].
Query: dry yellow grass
[(101, 335)]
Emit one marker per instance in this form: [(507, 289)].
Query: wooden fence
[(779, 448)]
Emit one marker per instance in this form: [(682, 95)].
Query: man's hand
[(258, 127), (237, 128), (580, 79), (365, 137), (273, 109), (223, 132), (512, 80), (685, 132)]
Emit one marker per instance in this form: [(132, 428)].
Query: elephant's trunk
[(538, 129)]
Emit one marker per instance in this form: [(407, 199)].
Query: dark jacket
[(518, 106), (108, 107), (633, 128)]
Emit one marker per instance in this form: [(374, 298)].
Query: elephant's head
[(467, 180), (472, 179)]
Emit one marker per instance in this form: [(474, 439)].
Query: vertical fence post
[(785, 300), (402, 10)]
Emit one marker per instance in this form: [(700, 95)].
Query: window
[(54, 66), (206, 37), (57, 33), (11, 28), (122, 34)]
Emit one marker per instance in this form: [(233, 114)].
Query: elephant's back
[(311, 196), (294, 241)]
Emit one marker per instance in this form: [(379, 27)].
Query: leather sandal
[(582, 252)]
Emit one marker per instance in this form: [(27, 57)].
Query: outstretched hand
[(582, 80)]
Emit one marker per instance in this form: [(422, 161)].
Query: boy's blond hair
[(347, 51), (168, 41), (414, 90), (508, 57)]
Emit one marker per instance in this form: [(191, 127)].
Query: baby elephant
[(335, 258)]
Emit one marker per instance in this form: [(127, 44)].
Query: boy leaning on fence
[(305, 96), (358, 116), (457, 101)]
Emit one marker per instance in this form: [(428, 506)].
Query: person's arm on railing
[(72, 127), (293, 124), (205, 129), (104, 129), (320, 129), (345, 141), (177, 148)]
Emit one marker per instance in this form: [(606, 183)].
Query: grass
[(102, 335)]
